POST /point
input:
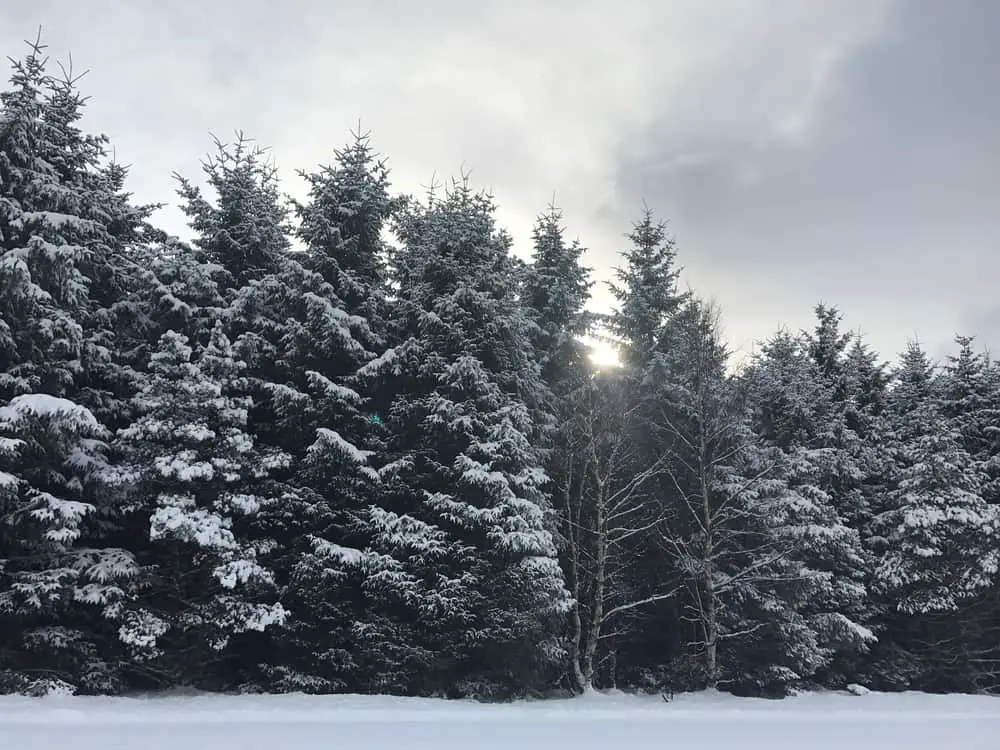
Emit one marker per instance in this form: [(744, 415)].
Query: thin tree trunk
[(711, 614), (576, 625), (597, 592), (711, 640)]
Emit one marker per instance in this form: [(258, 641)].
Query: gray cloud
[(836, 149), (881, 198)]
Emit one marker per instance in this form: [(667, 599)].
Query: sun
[(602, 354)]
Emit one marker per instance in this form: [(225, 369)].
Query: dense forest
[(355, 444)]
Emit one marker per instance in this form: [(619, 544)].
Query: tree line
[(355, 444)]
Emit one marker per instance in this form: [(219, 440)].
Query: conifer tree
[(64, 228), (970, 394), (935, 536), (52, 451), (556, 289), (332, 329), (196, 481), (646, 292), (797, 413), (246, 229), (939, 543), (647, 300), (463, 506)]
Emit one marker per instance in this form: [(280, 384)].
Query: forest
[(354, 444)]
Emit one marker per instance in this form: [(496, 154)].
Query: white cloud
[(533, 96)]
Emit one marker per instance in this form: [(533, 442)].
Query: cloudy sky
[(802, 150)]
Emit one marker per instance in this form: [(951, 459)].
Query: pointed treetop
[(646, 291)]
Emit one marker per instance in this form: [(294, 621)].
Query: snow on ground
[(831, 721)]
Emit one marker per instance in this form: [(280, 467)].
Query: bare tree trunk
[(576, 624), (603, 514), (711, 613), (600, 573), (711, 640)]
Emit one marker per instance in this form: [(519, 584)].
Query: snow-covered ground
[(609, 722)]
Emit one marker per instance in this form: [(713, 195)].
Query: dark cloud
[(883, 202)]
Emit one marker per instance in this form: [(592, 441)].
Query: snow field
[(877, 721)]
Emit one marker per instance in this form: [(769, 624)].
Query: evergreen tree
[(938, 534), (970, 394), (246, 229), (334, 310), (935, 535), (647, 301), (196, 481), (941, 538), (646, 292), (342, 225), (463, 505), (65, 225), (798, 413), (556, 289), (51, 451), (44, 239)]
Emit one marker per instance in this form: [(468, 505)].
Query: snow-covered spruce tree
[(327, 308), (941, 537), (113, 232), (463, 513), (647, 299), (556, 289), (197, 481), (342, 225), (245, 230), (43, 235), (646, 292), (51, 450), (65, 225), (71, 225), (857, 384), (858, 467), (969, 393), (797, 412), (938, 539)]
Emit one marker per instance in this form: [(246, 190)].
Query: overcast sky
[(801, 150)]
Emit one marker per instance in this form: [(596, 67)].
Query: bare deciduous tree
[(717, 533), (605, 510)]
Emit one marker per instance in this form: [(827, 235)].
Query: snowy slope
[(706, 722)]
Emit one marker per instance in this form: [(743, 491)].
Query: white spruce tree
[(940, 537), (333, 299), (797, 412), (65, 225), (196, 481), (463, 507), (647, 300)]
